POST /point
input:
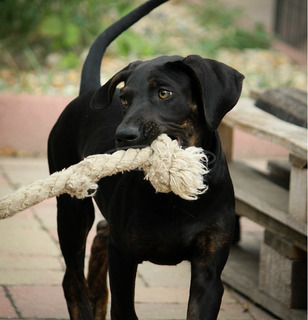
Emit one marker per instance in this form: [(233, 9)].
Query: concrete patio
[(31, 265)]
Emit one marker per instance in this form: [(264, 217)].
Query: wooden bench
[(275, 278)]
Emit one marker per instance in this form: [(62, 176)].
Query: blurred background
[(44, 44)]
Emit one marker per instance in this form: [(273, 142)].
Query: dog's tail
[(90, 76)]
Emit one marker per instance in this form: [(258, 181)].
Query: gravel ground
[(262, 68)]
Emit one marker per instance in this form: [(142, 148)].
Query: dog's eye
[(164, 94)]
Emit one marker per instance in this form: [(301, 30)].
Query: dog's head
[(182, 97)]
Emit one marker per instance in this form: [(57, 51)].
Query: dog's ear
[(219, 85), (102, 97)]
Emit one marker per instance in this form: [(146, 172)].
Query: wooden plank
[(226, 137), (288, 104), (253, 188), (261, 218), (283, 246), (280, 172), (265, 202), (246, 117), (241, 273)]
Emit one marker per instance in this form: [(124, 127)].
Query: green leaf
[(71, 35), (50, 27), (69, 60)]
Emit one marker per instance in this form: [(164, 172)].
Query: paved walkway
[(31, 266)]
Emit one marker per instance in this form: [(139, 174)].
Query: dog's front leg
[(75, 218), (205, 294), (122, 275), (206, 288)]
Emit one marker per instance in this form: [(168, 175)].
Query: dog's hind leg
[(97, 276), (75, 218)]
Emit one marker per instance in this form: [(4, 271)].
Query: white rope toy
[(167, 166)]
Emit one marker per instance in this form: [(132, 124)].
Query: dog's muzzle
[(150, 131), (131, 135)]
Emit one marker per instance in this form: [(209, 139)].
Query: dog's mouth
[(184, 133), (178, 139), (135, 136), (152, 130)]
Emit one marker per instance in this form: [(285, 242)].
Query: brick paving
[(31, 265)]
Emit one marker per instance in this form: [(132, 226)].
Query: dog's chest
[(161, 242), (162, 236), (149, 225)]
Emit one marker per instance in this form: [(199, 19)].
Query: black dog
[(185, 98)]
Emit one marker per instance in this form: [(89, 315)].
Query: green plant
[(240, 38), (29, 31), (214, 13), (47, 26), (222, 29), (134, 44)]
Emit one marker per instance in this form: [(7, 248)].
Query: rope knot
[(170, 168)]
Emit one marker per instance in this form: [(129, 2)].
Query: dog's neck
[(212, 146)]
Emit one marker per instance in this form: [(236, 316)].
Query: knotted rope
[(167, 166)]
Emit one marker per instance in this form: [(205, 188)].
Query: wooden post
[(298, 189), (282, 273)]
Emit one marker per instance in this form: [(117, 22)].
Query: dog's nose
[(127, 136)]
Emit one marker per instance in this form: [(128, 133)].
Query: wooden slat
[(246, 117), (261, 218), (265, 202), (288, 104)]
